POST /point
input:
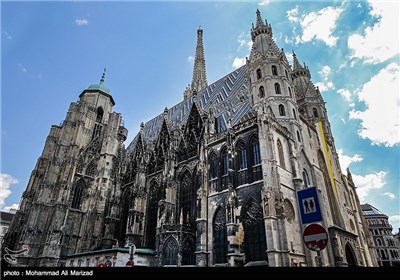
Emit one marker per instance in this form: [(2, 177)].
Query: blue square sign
[(310, 211)]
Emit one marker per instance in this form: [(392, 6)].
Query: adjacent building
[(384, 242), (5, 221), (211, 181)]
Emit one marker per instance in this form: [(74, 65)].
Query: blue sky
[(52, 51)]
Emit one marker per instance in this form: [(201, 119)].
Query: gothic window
[(379, 242), (77, 198), (280, 154), (224, 169), (126, 201), (256, 168), (254, 232), (242, 163), (213, 161), (220, 243), (170, 255), (294, 114), (96, 130), (261, 92), (256, 151), (286, 74), (242, 155), (99, 116), (188, 252), (298, 136), (306, 180), (290, 92), (315, 112), (281, 109), (274, 70), (277, 88), (187, 198), (91, 169), (259, 74), (156, 194)]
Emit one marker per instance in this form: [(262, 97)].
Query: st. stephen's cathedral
[(211, 181)]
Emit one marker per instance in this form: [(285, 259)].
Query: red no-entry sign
[(315, 237)]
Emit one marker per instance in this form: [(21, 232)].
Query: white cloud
[(390, 195), (264, 2), (345, 93), (238, 61), (8, 36), (381, 41), (395, 222), (380, 120), (320, 25), (324, 86), (365, 184), (22, 68), (244, 40), (82, 21), (292, 14), (190, 59), (326, 70), (346, 160), (14, 206), (6, 181)]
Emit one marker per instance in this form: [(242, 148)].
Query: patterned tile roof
[(226, 98)]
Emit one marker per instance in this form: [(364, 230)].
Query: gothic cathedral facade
[(212, 181)]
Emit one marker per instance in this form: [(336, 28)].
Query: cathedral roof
[(225, 98)]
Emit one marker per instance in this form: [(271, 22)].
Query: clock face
[(289, 210)]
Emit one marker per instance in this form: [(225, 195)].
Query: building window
[(256, 151), (315, 112), (170, 252), (294, 114), (77, 198), (254, 232), (156, 194), (187, 197), (220, 243), (261, 92), (274, 70), (213, 166), (224, 169), (277, 88), (379, 242), (298, 136), (281, 110), (280, 154), (286, 74), (91, 169), (242, 155), (99, 116), (259, 74), (306, 180), (188, 252), (290, 92)]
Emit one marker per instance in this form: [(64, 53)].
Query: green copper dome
[(100, 86)]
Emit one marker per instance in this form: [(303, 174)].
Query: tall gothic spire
[(296, 63), (199, 80)]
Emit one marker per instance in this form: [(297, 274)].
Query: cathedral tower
[(66, 207)]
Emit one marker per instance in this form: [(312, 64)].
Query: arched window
[(187, 199), (286, 74), (379, 242), (281, 110), (315, 112), (220, 243), (241, 163), (306, 180), (280, 154), (224, 169), (241, 155), (274, 70), (99, 116), (261, 92), (254, 232), (290, 92), (79, 166), (256, 168), (155, 195), (77, 198), (277, 88), (213, 161), (259, 74), (294, 114), (170, 254)]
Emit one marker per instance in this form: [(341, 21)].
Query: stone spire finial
[(103, 76)]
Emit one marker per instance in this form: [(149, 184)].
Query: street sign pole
[(319, 259)]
